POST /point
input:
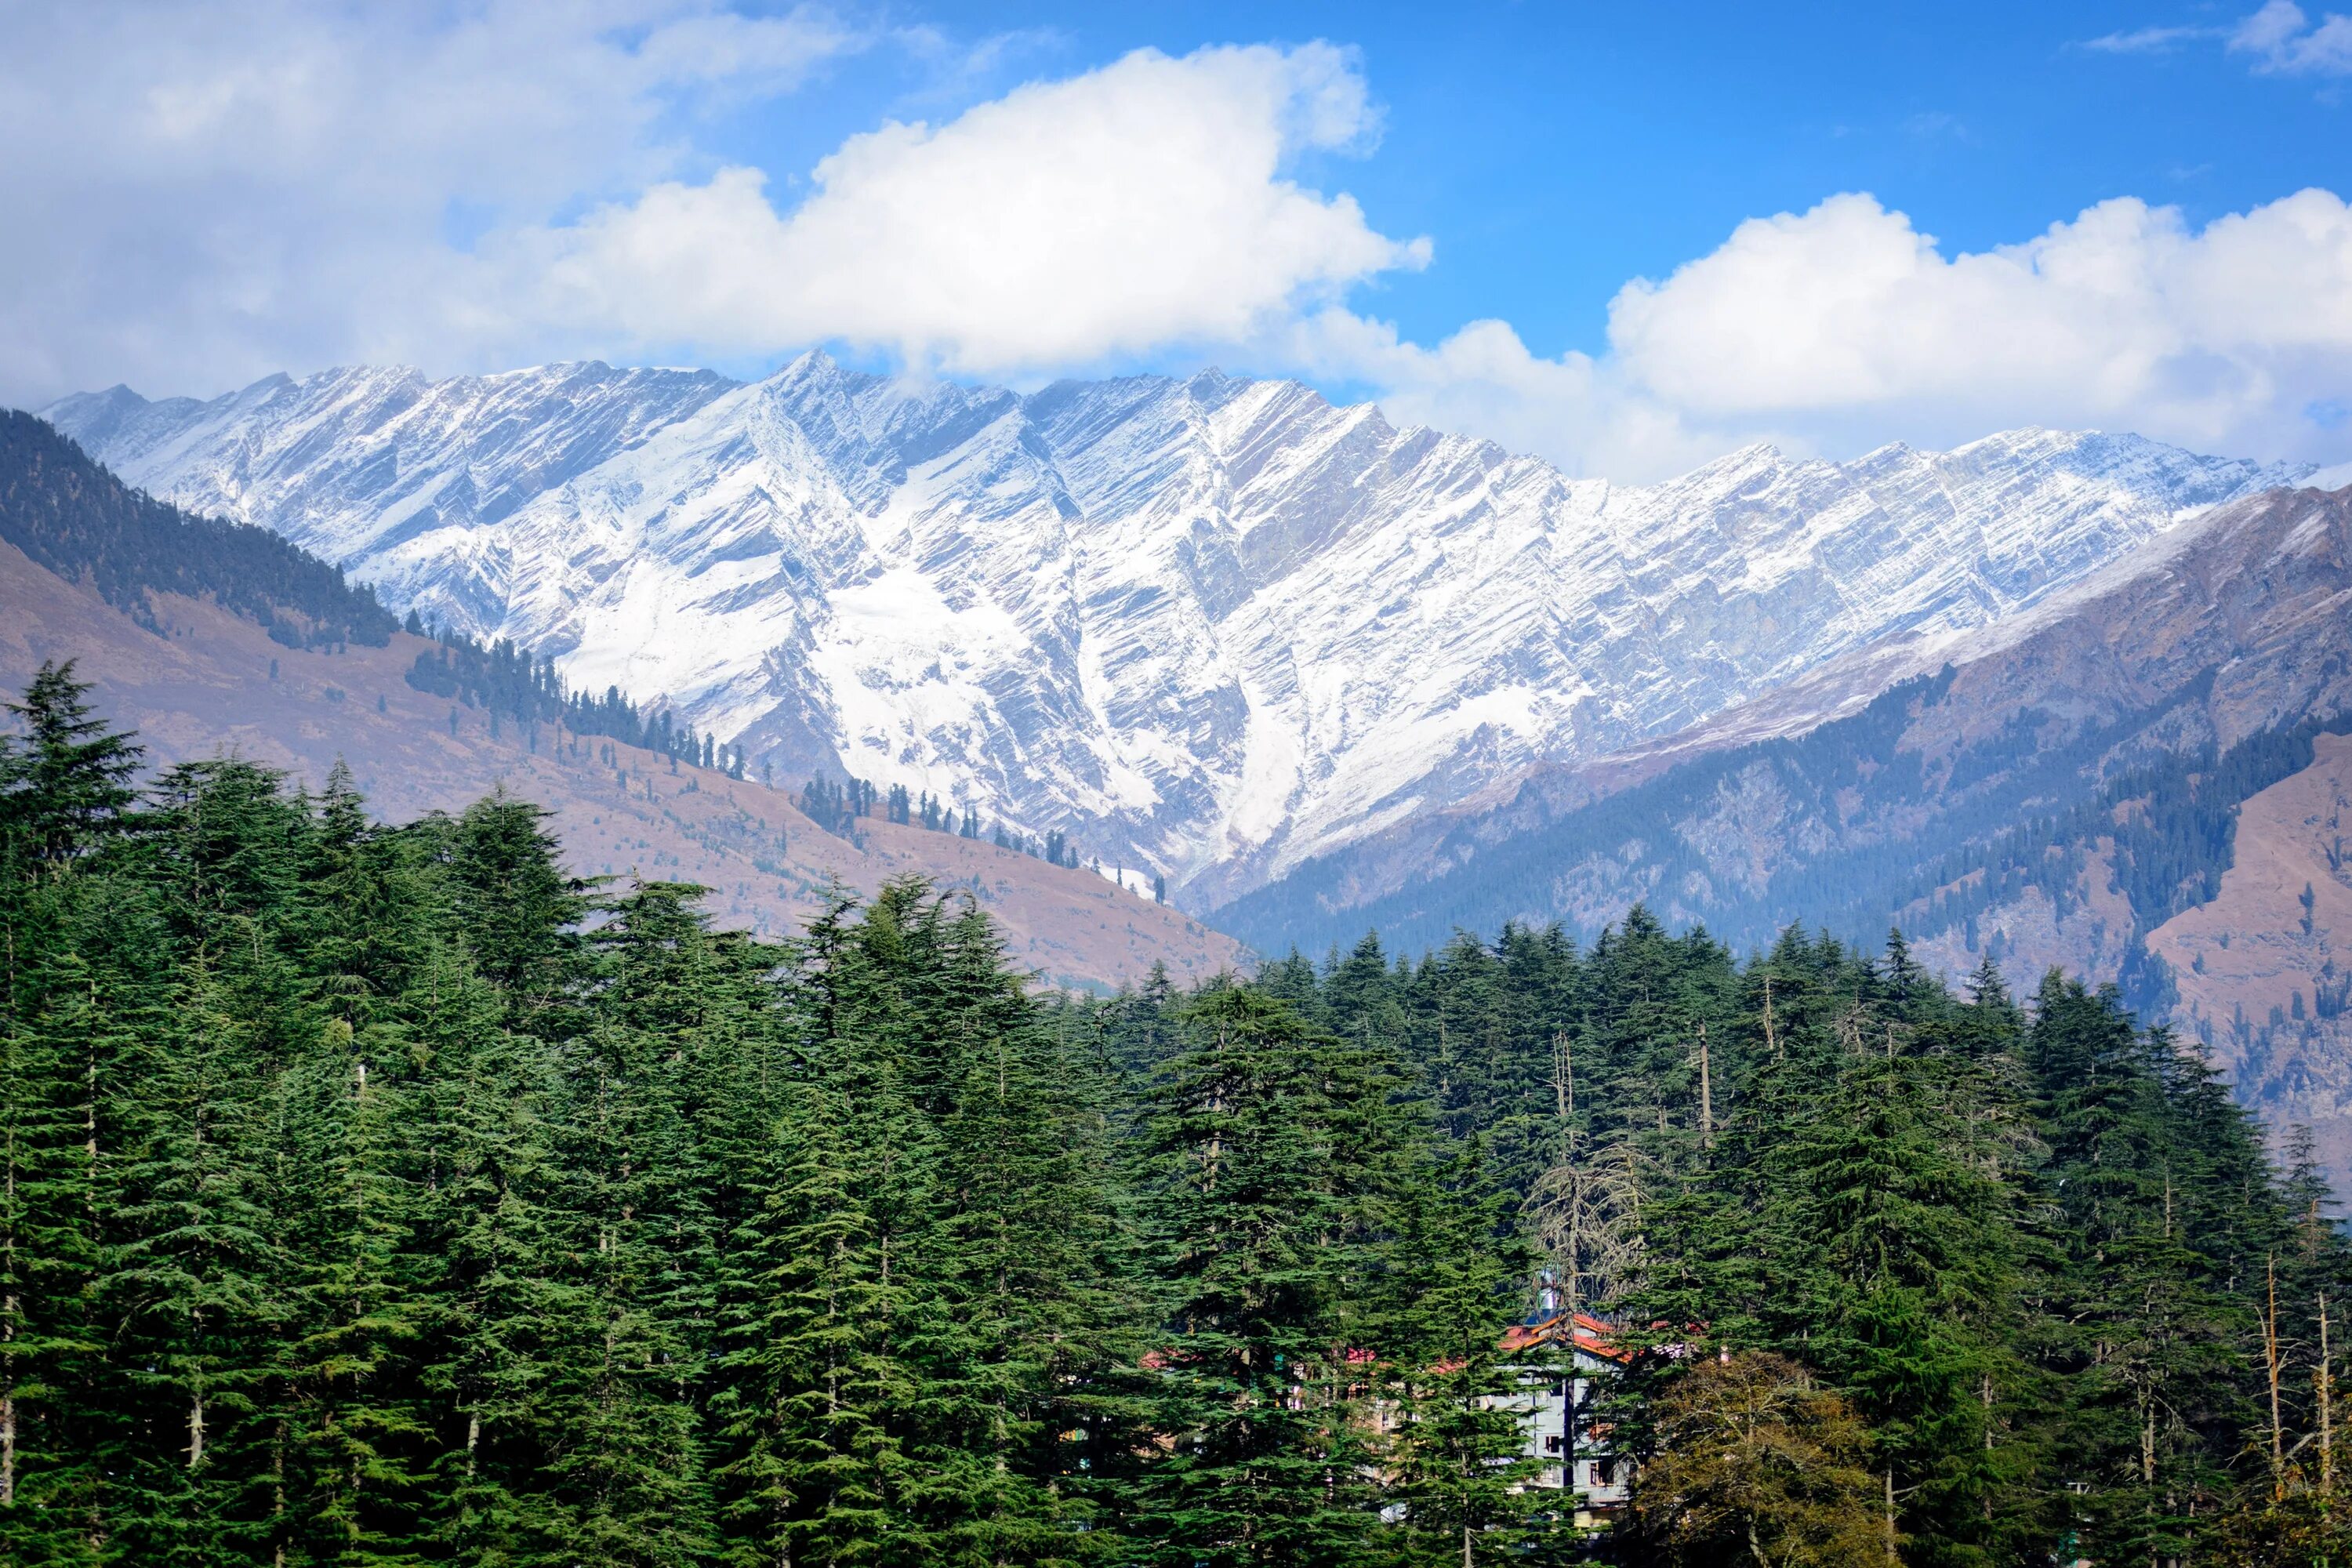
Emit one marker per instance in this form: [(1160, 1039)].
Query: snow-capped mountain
[(1212, 625)]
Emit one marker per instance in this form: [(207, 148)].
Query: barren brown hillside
[(214, 683), (2263, 969)]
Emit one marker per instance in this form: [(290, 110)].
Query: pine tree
[(1457, 1452), (506, 1317), (1017, 1329), (814, 1470), (637, 1181), (62, 800), (1897, 1183), (357, 1429), (51, 1338), (355, 1419), (192, 1286), (66, 788), (517, 909), (1264, 1462)]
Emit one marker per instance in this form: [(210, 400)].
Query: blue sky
[(1857, 225), (1553, 151)]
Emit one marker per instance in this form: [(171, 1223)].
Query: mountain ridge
[(2145, 781), (180, 654), (1212, 625)]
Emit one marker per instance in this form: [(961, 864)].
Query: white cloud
[(1146, 205), (2146, 40), (201, 195), (197, 194), (204, 193), (1847, 317), (2282, 39), (1483, 380), (1843, 327), (1133, 207)]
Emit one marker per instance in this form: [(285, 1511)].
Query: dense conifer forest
[(381, 1194), (506, 682)]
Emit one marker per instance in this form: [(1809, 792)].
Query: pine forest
[(379, 1194)]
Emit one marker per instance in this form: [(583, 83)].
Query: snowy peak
[(1211, 626)]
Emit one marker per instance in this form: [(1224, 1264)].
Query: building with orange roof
[(1562, 1357)]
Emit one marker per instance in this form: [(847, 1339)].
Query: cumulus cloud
[(202, 194), (1130, 208), (195, 202), (1844, 326), (197, 194), (1848, 315)]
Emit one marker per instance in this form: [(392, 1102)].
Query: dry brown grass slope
[(2263, 970), (207, 688)]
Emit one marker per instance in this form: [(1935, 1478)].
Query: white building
[(1567, 1355)]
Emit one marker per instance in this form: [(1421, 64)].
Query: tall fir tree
[(1264, 1455), (1456, 1452)]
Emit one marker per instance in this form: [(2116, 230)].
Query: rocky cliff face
[(1212, 626)]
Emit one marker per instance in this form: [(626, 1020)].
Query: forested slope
[(381, 1193), (81, 522)]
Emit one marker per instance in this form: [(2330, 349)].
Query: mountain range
[(2050, 697), (1213, 627), (207, 642)]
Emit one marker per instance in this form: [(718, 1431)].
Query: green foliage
[(385, 1196), (1457, 1471), (66, 786), (1246, 1216)]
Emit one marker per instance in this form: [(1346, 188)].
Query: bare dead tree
[(2323, 1380), (1588, 1220)]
